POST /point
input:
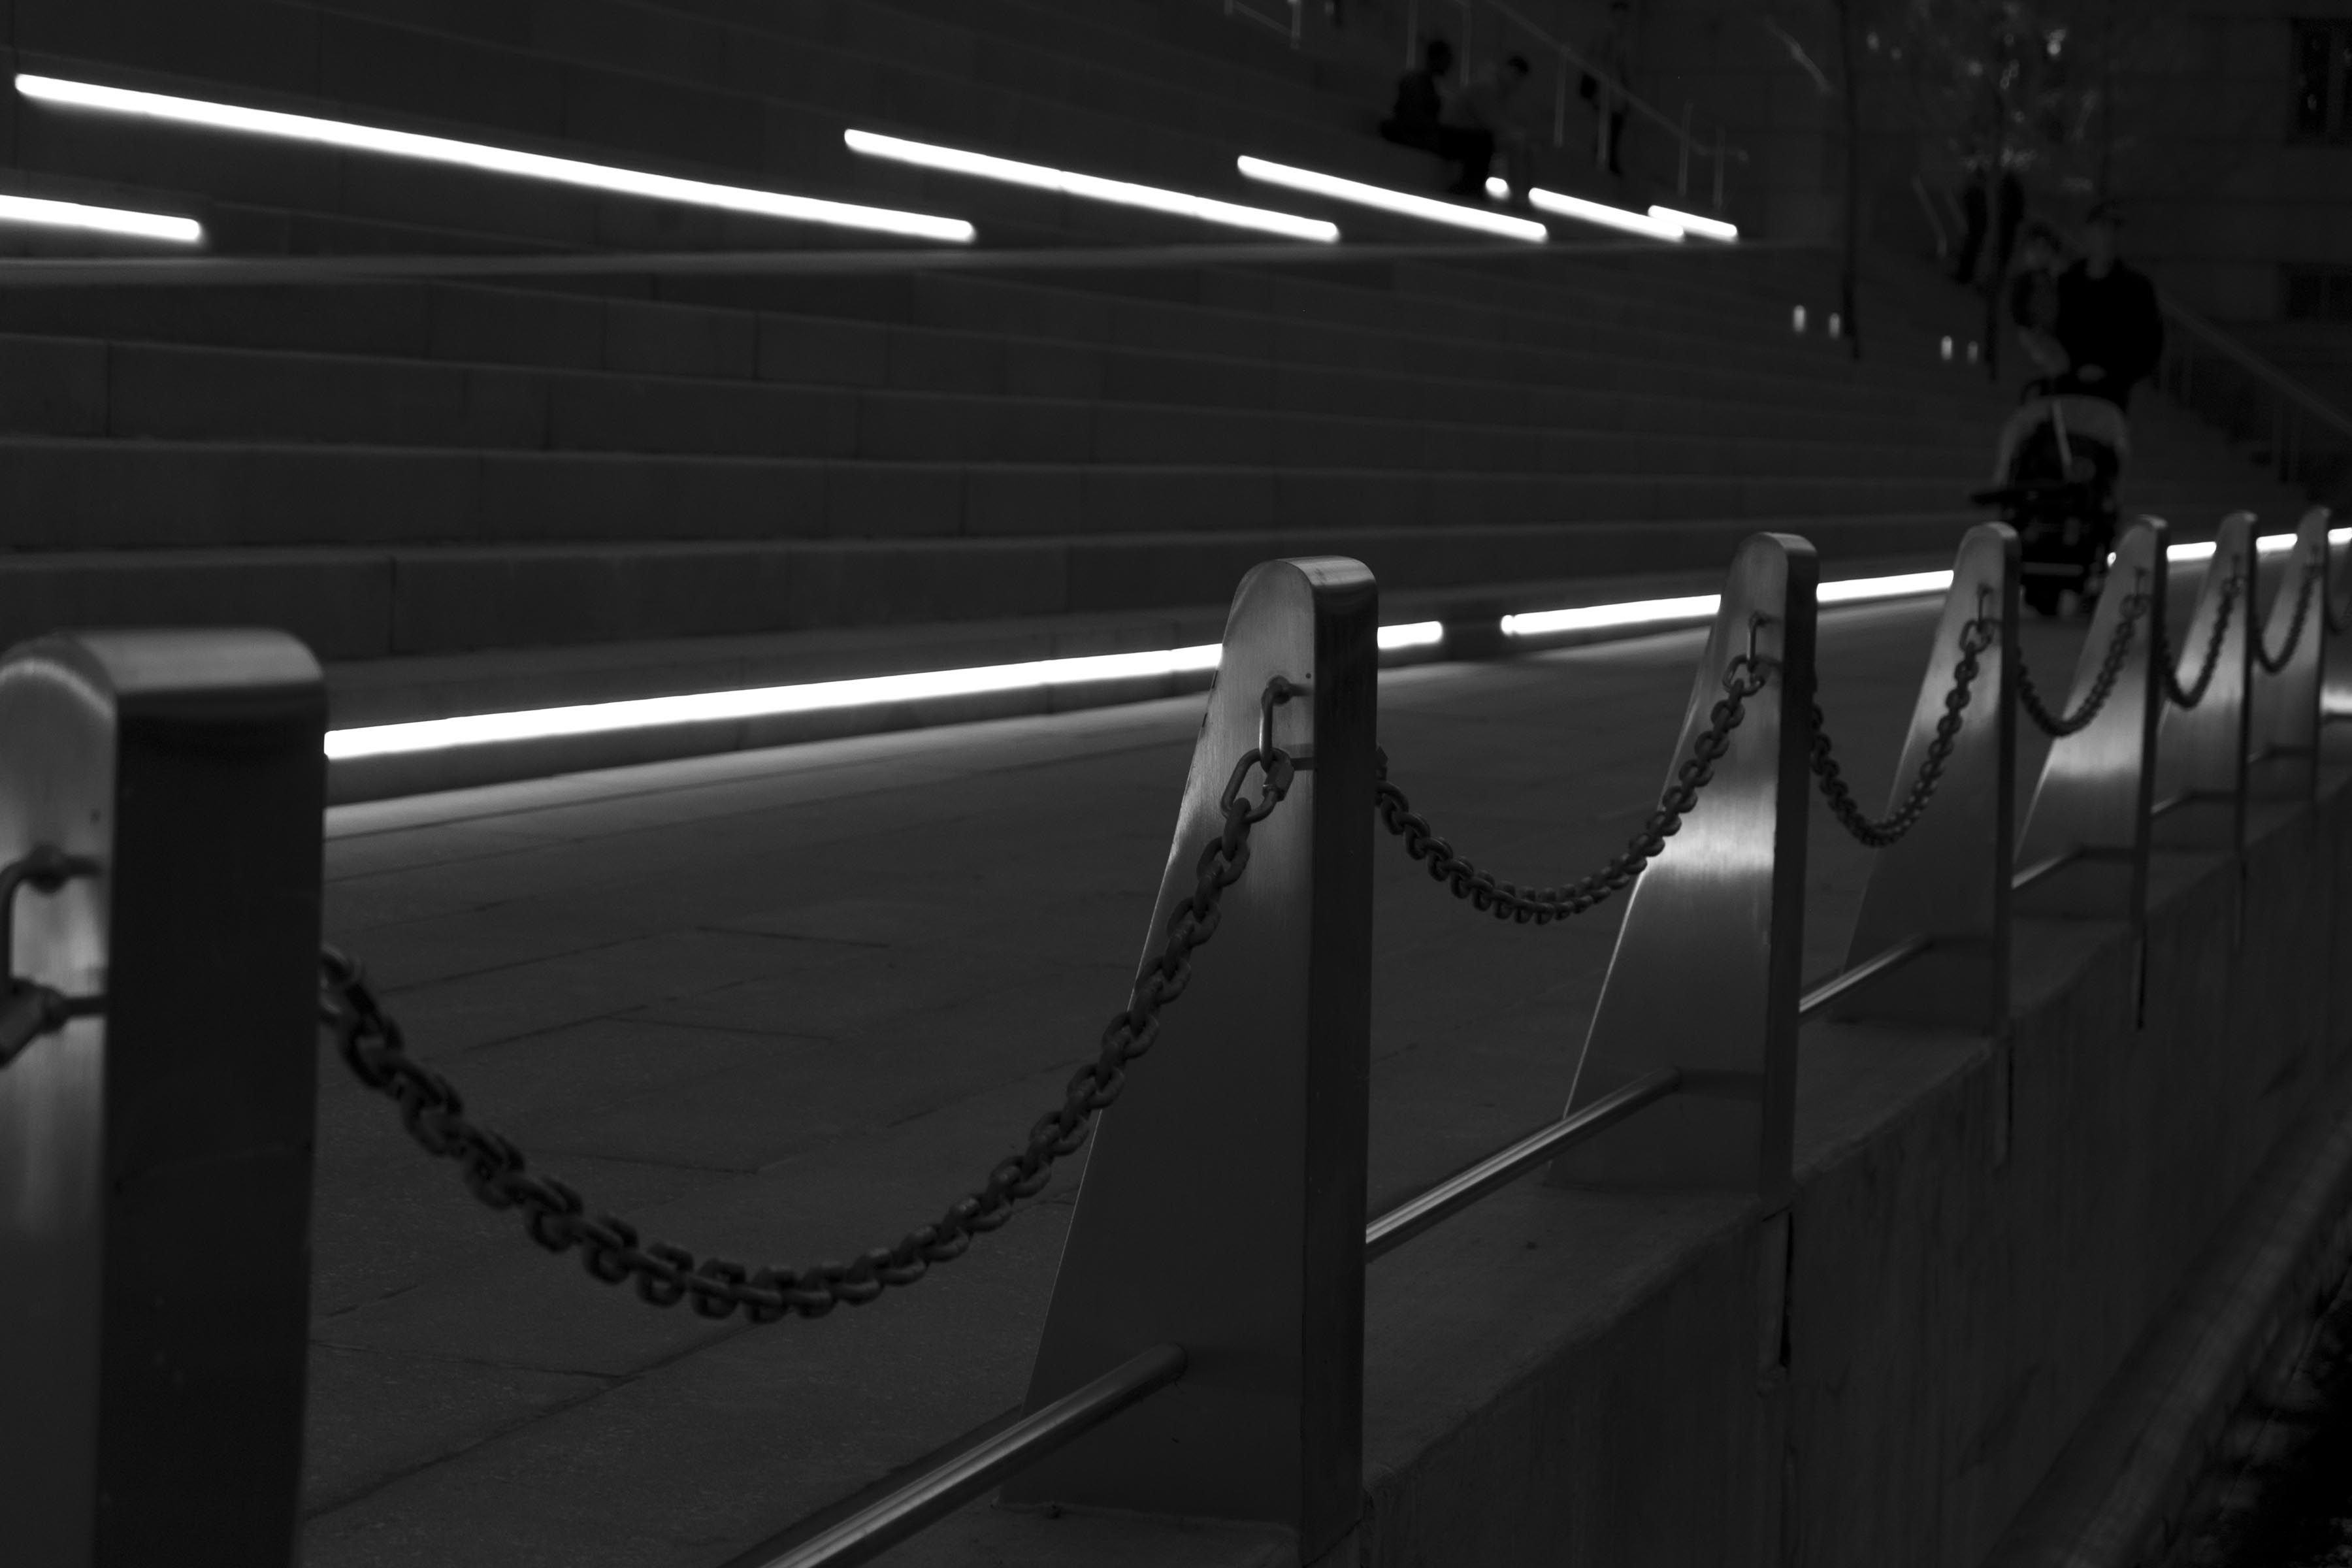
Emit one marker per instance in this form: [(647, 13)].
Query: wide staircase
[(462, 490)]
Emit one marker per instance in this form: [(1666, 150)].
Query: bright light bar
[(2200, 552), (1593, 618), (1604, 215), (2339, 536), (1414, 634), (1036, 176), (1657, 612), (644, 712), (1338, 189), (1705, 227), (492, 160), (1856, 590), (102, 220)]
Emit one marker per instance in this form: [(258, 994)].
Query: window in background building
[(2323, 51), (2318, 293)]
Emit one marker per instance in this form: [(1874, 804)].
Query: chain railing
[(2306, 593), (1752, 822), (555, 1216), (1976, 637), (2189, 696), (2058, 726), (29, 1009), (1743, 677)]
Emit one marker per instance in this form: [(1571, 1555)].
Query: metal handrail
[(1615, 88), (1291, 29), (2270, 376), (1861, 973), (1506, 1165), (937, 1492)]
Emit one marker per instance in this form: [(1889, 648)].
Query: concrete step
[(383, 598), (1155, 354), (107, 494), (137, 391)]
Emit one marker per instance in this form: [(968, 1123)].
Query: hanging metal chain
[(2304, 596), (29, 1009), (1975, 639), (2103, 686), (555, 1216), (2191, 696), (1743, 677)]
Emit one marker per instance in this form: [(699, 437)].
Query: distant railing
[(1490, 27), (2305, 440), (1291, 27)]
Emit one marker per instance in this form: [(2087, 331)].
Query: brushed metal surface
[(2283, 730), (1705, 976), (2091, 804), (1223, 1203), (2336, 661), (1948, 880), (2201, 751), (932, 1495), (155, 1162)]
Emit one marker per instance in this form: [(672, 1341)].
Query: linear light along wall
[(492, 160), (1398, 202), (100, 220), (1699, 606), (594, 718), (1705, 227), (819, 696), (1607, 216), (1091, 187)]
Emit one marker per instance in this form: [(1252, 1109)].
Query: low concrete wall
[(1982, 1231)]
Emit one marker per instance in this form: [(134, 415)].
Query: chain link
[(2103, 686), (1976, 637), (2304, 596), (2191, 696), (1743, 677), (555, 1216)]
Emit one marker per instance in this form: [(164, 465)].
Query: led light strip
[(102, 220), (648, 712), (1422, 207), (492, 160), (1705, 227), (1090, 186), (1583, 211), (1699, 606), (815, 697)]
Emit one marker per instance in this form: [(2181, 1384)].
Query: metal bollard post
[(156, 1158), (2283, 726), (2201, 750), (1947, 881), (1705, 978), (1223, 1207), (2083, 849), (2335, 660)]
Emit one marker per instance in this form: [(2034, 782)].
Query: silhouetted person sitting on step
[(1421, 99)]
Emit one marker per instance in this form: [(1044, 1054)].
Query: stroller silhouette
[(2054, 483)]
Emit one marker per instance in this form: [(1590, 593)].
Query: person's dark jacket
[(2111, 322), (1419, 105)]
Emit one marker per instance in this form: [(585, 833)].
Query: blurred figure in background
[(2034, 297), (2109, 322), (1608, 78), (1421, 99), (1488, 116)]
